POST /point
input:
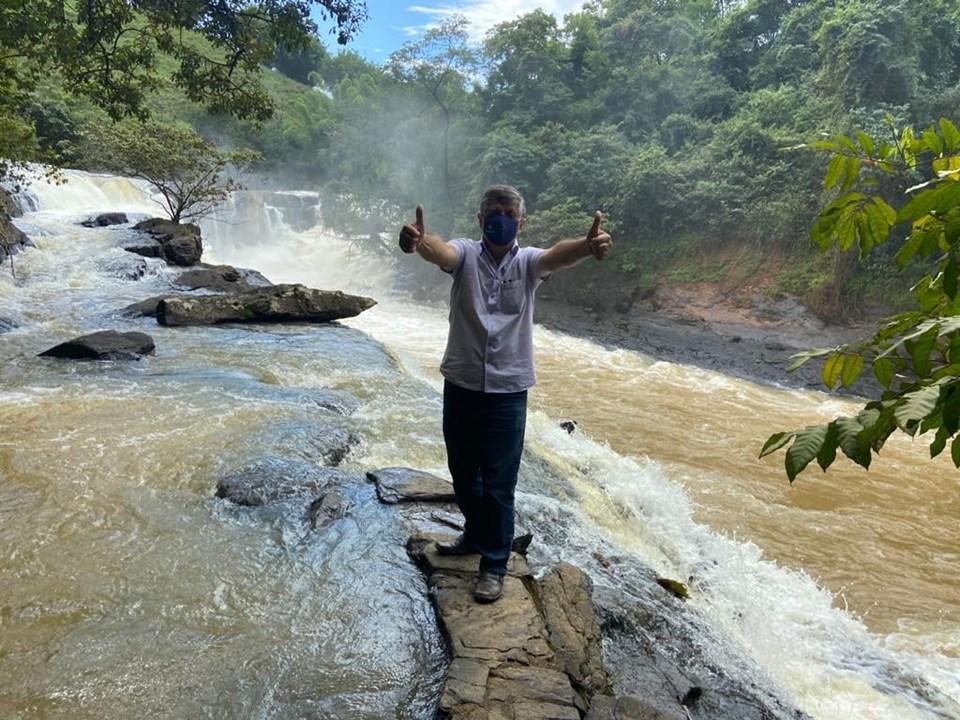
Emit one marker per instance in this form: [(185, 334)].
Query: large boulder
[(224, 278), (145, 308), (277, 303), (105, 219), (148, 247), (104, 345), (12, 238), (180, 242), (9, 205)]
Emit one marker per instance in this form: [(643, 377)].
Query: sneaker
[(489, 587), (456, 547)]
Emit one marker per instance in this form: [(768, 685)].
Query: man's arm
[(430, 247), (567, 253)]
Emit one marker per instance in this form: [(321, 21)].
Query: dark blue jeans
[(484, 437)]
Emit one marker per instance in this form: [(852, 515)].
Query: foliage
[(909, 183), (109, 51), (191, 175)]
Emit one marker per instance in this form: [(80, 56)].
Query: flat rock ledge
[(398, 484), (104, 345), (106, 219), (276, 303), (534, 654)]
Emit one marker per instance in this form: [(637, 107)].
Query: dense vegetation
[(673, 116)]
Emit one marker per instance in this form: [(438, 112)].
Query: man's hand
[(412, 235), (598, 240), (431, 248)]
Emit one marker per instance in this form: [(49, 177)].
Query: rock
[(273, 479), (323, 442), (105, 219), (145, 308), (181, 243), (396, 484), (630, 707), (225, 278), (6, 325), (12, 238), (9, 205), (327, 508), (104, 345), (565, 595), (147, 248), (278, 303), (124, 267), (569, 426), (502, 663), (674, 587)]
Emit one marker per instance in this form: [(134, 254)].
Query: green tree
[(905, 188), (190, 174)]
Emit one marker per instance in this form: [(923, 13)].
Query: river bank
[(702, 327)]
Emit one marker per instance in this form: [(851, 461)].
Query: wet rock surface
[(223, 278), (106, 219), (6, 325), (274, 479), (277, 303), (503, 664), (104, 345), (145, 308), (397, 485), (12, 238), (180, 242)]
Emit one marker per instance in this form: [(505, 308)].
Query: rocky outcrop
[(104, 345), (12, 238), (630, 707), (145, 308), (565, 597), (148, 247), (224, 278), (503, 663), (397, 484), (274, 479), (106, 219), (180, 243), (277, 303), (8, 205)]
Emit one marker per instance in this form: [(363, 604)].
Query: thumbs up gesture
[(411, 235), (598, 240)]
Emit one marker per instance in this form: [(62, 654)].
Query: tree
[(915, 356), (190, 173), (113, 52), (443, 64)]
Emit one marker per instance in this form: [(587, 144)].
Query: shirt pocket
[(512, 296)]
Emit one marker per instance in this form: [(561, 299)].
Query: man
[(488, 365)]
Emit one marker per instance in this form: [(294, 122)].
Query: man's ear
[(523, 223), (480, 219)]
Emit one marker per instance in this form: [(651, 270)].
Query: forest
[(680, 119)]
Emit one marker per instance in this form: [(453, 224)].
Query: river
[(110, 538)]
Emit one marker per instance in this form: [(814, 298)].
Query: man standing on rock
[(488, 364)]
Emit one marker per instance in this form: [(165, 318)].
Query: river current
[(125, 587)]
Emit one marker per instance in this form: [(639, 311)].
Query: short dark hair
[(503, 194)]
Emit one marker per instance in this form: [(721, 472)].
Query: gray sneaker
[(489, 587), (456, 547)]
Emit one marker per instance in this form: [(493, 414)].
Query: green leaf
[(932, 141), (832, 369), (884, 370), (805, 448), (852, 368), (950, 273), (939, 442), (955, 452), (909, 249), (800, 359), (951, 135), (828, 451), (836, 171), (853, 446), (950, 410), (775, 442), (920, 349), (866, 142), (916, 405)]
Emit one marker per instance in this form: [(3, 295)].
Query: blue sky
[(394, 22)]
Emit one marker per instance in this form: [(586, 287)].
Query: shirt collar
[(514, 249)]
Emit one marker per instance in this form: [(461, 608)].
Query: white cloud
[(484, 14)]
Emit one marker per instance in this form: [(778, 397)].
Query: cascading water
[(129, 580)]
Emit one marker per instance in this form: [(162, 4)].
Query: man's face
[(509, 209)]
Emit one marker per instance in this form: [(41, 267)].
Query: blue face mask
[(500, 229)]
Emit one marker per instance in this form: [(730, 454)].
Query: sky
[(394, 22)]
